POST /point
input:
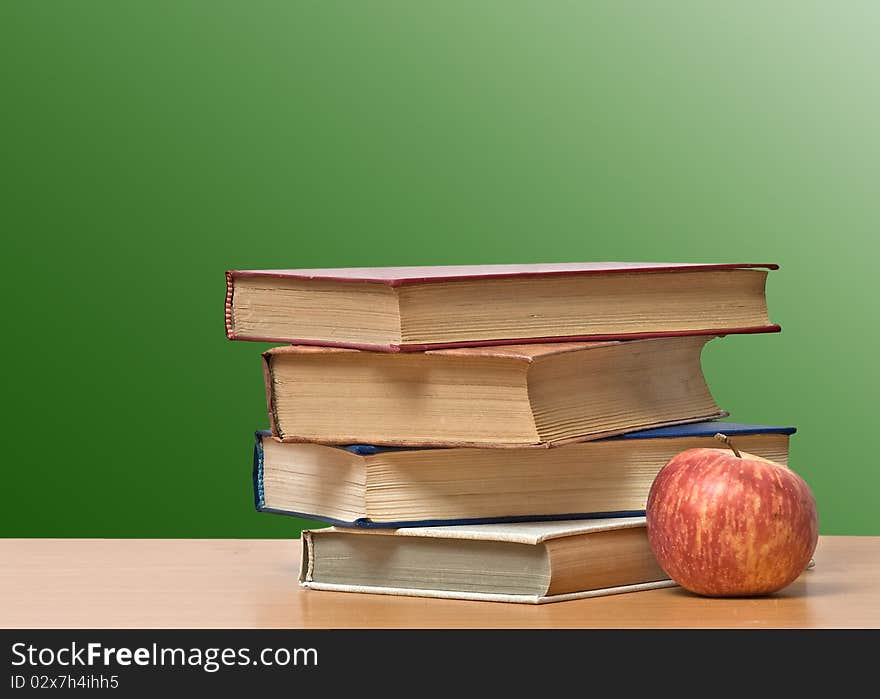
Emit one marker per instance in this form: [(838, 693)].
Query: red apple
[(727, 524)]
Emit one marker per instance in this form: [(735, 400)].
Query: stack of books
[(487, 432)]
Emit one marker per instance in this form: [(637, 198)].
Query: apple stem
[(724, 438)]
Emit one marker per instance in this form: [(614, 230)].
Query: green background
[(149, 146)]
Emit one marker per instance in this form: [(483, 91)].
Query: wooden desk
[(216, 583)]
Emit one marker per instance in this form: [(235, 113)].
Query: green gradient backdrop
[(148, 146)]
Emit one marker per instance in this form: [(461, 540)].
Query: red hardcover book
[(394, 309)]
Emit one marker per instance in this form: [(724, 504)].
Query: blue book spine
[(699, 429)]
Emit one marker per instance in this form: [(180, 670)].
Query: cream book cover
[(528, 562)]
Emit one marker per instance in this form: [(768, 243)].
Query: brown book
[(394, 309), (527, 562), (369, 486), (485, 396)]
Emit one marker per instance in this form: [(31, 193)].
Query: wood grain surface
[(225, 583)]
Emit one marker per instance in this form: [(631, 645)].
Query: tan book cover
[(541, 394)]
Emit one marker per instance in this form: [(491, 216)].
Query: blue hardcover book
[(389, 487)]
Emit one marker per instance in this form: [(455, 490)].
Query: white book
[(529, 562)]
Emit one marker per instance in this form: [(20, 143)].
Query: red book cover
[(394, 277)]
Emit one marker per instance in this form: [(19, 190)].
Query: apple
[(727, 524)]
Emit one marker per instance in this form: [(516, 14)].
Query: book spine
[(307, 561), (259, 494), (270, 395), (230, 334)]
